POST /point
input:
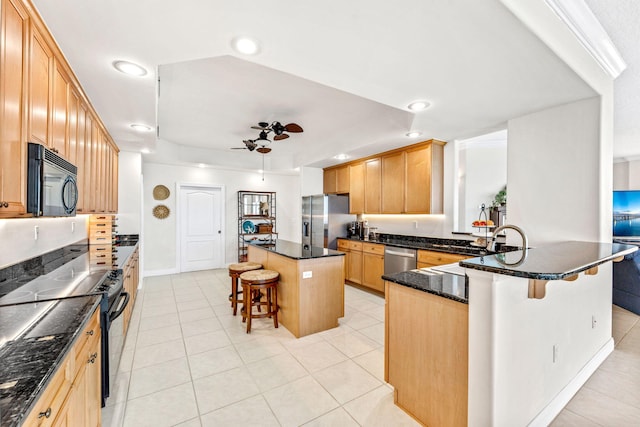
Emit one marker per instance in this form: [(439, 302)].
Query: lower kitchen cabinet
[(434, 258), (426, 355), (73, 396), (131, 274), (373, 266), (364, 263)]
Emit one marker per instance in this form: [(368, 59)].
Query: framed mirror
[(256, 204)]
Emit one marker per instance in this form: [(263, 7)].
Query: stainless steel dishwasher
[(399, 259)]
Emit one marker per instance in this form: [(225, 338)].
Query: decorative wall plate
[(160, 192), (161, 211)]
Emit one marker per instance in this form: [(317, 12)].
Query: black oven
[(51, 183)]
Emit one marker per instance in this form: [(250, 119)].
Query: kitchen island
[(536, 324), (311, 285)]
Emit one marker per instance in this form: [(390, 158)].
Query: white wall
[(129, 192), (53, 233), (483, 173), (160, 235), (626, 175), (556, 172)]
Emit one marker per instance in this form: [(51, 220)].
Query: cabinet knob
[(93, 357), (45, 414), (90, 332)]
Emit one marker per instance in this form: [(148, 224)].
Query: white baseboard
[(166, 272), (558, 403)]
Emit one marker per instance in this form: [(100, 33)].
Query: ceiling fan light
[(130, 68), (418, 105), (245, 45)]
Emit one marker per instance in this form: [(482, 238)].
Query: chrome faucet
[(492, 243)]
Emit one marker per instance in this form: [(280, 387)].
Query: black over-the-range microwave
[(51, 183)]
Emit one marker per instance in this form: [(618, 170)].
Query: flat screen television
[(626, 214)]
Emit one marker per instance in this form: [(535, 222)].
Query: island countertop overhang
[(555, 261), (298, 251)]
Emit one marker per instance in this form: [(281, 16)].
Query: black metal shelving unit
[(256, 220)]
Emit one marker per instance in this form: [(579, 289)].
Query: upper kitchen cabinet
[(59, 110), (407, 180), (373, 186), (393, 183), (336, 180), (40, 66), (356, 188), (424, 179), (14, 22), (41, 101)]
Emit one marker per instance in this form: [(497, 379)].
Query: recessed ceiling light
[(201, 165), (418, 105), (245, 45), (129, 68), (413, 134), (141, 128), (145, 151), (341, 156)]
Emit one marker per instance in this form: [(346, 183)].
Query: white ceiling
[(344, 71)]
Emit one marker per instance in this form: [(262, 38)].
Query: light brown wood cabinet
[(356, 188), (14, 26), (364, 263), (434, 258), (131, 273), (40, 66), (373, 266), (426, 355), (373, 186), (393, 174), (407, 180), (337, 180), (41, 101), (73, 396)]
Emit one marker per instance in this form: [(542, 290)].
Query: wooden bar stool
[(235, 270), (253, 282)]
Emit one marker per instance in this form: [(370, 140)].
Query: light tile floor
[(188, 362)]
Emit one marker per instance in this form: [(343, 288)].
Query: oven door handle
[(113, 316)]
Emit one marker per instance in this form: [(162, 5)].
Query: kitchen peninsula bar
[(311, 286), (508, 342)]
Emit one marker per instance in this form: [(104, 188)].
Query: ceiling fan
[(260, 144)]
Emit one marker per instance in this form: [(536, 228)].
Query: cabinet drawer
[(354, 246), (373, 248), (439, 258), (343, 245)]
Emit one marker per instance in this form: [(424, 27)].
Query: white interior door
[(201, 235)]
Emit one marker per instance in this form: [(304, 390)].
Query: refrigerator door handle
[(305, 229)]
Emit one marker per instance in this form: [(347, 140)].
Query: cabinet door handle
[(45, 414), (93, 358), (90, 332)]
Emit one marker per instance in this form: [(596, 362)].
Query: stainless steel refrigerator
[(324, 219)]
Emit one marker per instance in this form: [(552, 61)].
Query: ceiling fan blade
[(258, 128), (238, 148), (263, 150), (280, 137), (293, 128)]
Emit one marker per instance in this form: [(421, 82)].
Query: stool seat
[(252, 284), (245, 266), (259, 275), (235, 270)]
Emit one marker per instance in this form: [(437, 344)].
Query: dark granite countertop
[(123, 253), (436, 244), (551, 262), (28, 362), (297, 251), (446, 285)]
